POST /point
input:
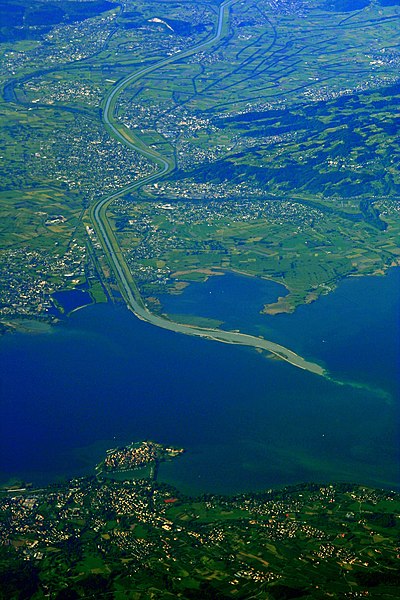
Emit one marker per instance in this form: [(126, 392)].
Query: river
[(103, 378)]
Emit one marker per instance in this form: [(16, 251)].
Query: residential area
[(300, 536)]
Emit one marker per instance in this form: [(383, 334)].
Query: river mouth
[(246, 423)]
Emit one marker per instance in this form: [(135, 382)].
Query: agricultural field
[(284, 143), (282, 137), (281, 152), (169, 244), (57, 63), (140, 539)]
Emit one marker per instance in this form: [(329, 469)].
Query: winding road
[(109, 242)]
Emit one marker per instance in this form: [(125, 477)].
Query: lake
[(104, 378)]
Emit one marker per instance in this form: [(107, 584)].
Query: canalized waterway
[(109, 242), (103, 379)]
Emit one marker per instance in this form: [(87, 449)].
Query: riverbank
[(103, 378), (98, 213)]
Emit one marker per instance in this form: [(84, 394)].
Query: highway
[(109, 242)]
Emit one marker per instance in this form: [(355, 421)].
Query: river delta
[(103, 378)]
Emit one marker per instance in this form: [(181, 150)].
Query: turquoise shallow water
[(354, 331), (104, 378)]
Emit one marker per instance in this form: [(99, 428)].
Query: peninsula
[(108, 240)]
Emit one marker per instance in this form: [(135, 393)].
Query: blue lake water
[(72, 299), (103, 378)]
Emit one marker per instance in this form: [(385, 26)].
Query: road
[(109, 242)]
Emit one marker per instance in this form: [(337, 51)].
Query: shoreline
[(107, 238)]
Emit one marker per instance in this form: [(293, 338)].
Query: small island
[(139, 460)]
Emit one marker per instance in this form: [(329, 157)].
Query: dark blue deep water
[(72, 299), (103, 378)]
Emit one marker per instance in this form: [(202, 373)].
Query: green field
[(283, 136), (291, 242), (140, 540)]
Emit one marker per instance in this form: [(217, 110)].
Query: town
[(233, 122), (316, 539), (136, 456)]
